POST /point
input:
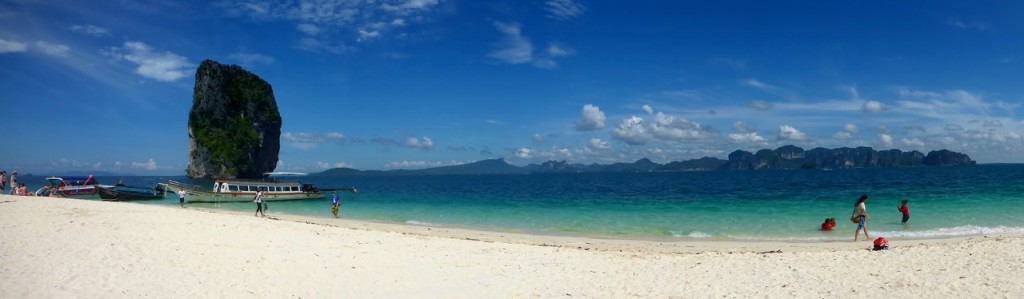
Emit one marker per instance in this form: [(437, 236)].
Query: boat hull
[(124, 194), (194, 195)]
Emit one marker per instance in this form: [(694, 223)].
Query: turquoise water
[(738, 205)]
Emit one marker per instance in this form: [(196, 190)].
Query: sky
[(107, 86)]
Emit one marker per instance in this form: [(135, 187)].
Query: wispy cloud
[(515, 48), (311, 140), (52, 49), (161, 66), (90, 30), (7, 46), (419, 164), (958, 23), (424, 143), (564, 9), (332, 25)]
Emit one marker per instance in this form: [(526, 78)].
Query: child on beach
[(860, 216), (335, 203), (903, 208), (829, 224)]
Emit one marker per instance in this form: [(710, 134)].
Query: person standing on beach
[(335, 203), (181, 198), (3, 181), (259, 204), (860, 212), (14, 182), (905, 210)]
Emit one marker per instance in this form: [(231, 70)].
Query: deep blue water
[(758, 205)]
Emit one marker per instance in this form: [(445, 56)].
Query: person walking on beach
[(905, 210), (335, 203), (181, 198), (259, 204), (860, 215), (3, 181)]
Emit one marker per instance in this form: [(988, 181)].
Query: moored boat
[(121, 192), (245, 190), (74, 186)]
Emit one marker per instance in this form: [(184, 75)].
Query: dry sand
[(77, 248)]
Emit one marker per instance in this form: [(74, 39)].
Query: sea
[(759, 205)]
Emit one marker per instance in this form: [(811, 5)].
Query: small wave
[(420, 223), (945, 232), (968, 230), (693, 234)]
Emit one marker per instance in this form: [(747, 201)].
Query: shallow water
[(744, 205)]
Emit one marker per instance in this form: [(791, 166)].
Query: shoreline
[(673, 245), (80, 248)]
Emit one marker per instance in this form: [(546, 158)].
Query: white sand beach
[(80, 248)]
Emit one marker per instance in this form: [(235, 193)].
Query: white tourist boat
[(245, 190)]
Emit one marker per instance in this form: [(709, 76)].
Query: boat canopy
[(73, 180)]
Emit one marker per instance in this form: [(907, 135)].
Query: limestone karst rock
[(234, 127)]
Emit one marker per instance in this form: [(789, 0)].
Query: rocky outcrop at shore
[(234, 127)]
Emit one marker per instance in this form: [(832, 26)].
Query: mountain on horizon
[(785, 157)]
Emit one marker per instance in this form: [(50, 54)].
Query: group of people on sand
[(861, 218), (18, 188)]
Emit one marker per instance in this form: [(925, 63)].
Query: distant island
[(786, 157)]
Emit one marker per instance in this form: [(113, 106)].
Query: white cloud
[(52, 49), (250, 58), (409, 6), (851, 128), (915, 143), (790, 133), (591, 118), (557, 50), (884, 140), (161, 66), (336, 22), (523, 153), (751, 137), (425, 144), (90, 30), (667, 127), (513, 48), (633, 131), (756, 84), (873, 107), (538, 138), (849, 132), (326, 165), (308, 140), (12, 46), (741, 127), (648, 109), (598, 144), (309, 29), (563, 9), (148, 165), (419, 164)]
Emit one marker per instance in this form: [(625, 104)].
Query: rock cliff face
[(234, 127), (791, 157)]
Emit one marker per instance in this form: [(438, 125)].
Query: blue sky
[(389, 84)]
